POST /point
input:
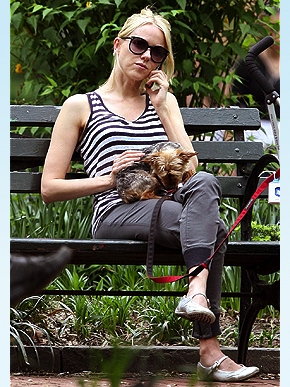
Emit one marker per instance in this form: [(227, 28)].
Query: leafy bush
[(265, 232), (61, 47)]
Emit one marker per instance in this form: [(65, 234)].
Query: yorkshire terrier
[(164, 167)]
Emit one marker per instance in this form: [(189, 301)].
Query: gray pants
[(190, 221)]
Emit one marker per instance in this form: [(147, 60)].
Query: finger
[(161, 81), (159, 73), (126, 158), (130, 153)]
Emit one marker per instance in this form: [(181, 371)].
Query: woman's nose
[(146, 55)]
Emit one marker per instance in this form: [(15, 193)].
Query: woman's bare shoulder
[(75, 101), (76, 108)]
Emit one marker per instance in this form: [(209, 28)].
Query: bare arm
[(168, 111), (71, 120)]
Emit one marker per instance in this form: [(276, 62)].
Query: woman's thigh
[(132, 221)]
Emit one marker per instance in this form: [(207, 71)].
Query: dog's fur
[(164, 166)]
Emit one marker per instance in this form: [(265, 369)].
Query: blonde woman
[(109, 127)]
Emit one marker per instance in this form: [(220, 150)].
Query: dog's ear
[(151, 158), (185, 155)]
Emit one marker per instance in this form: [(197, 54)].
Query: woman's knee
[(206, 178), (206, 182)]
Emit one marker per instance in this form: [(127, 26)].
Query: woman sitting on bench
[(108, 127)]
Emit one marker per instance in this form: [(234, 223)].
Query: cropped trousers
[(190, 221)]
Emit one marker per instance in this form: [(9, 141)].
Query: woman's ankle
[(198, 297), (209, 348), (198, 285), (210, 352), (207, 358)]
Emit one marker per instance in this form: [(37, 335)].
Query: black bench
[(253, 257)]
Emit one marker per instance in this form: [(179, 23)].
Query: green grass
[(30, 217)]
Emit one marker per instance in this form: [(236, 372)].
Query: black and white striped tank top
[(107, 135)]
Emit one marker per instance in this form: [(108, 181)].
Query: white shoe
[(214, 374), (194, 312)]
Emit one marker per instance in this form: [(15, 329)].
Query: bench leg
[(245, 302), (267, 295)]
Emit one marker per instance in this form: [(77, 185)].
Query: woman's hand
[(123, 160), (158, 97), (167, 108)]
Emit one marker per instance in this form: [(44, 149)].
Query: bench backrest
[(29, 152)]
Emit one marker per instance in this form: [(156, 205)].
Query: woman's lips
[(141, 66)]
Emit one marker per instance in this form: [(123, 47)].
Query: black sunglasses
[(139, 45)]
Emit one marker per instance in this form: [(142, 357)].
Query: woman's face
[(138, 67)]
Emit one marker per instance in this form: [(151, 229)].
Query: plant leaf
[(83, 24), (245, 28), (118, 2), (216, 49), (237, 48), (46, 12), (182, 4)]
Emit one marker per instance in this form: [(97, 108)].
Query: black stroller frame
[(272, 96), (269, 293)]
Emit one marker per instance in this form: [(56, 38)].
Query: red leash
[(204, 265)]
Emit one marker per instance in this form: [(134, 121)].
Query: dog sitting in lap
[(164, 166)]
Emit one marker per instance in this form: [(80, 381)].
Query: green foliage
[(231, 280), (64, 47), (267, 232), (269, 335), (25, 322), (30, 217)]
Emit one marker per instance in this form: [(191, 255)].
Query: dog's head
[(170, 166)]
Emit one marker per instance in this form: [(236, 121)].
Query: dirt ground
[(265, 333), (182, 380)]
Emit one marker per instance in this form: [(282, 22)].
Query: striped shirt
[(107, 135)]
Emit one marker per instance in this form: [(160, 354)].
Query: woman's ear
[(116, 44)]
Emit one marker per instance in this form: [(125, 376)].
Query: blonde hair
[(146, 16)]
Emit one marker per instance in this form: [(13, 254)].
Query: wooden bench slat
[(22, 148), (31, 152), (196, 120), (129, 252), (31, 115), (28, 150), (228, 151), (202, 120), (25, 182)]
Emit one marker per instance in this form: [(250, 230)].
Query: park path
[(88, 381)]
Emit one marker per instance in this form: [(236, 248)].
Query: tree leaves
[(73, 41)]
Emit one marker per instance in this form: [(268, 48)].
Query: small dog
[(164, 166)]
